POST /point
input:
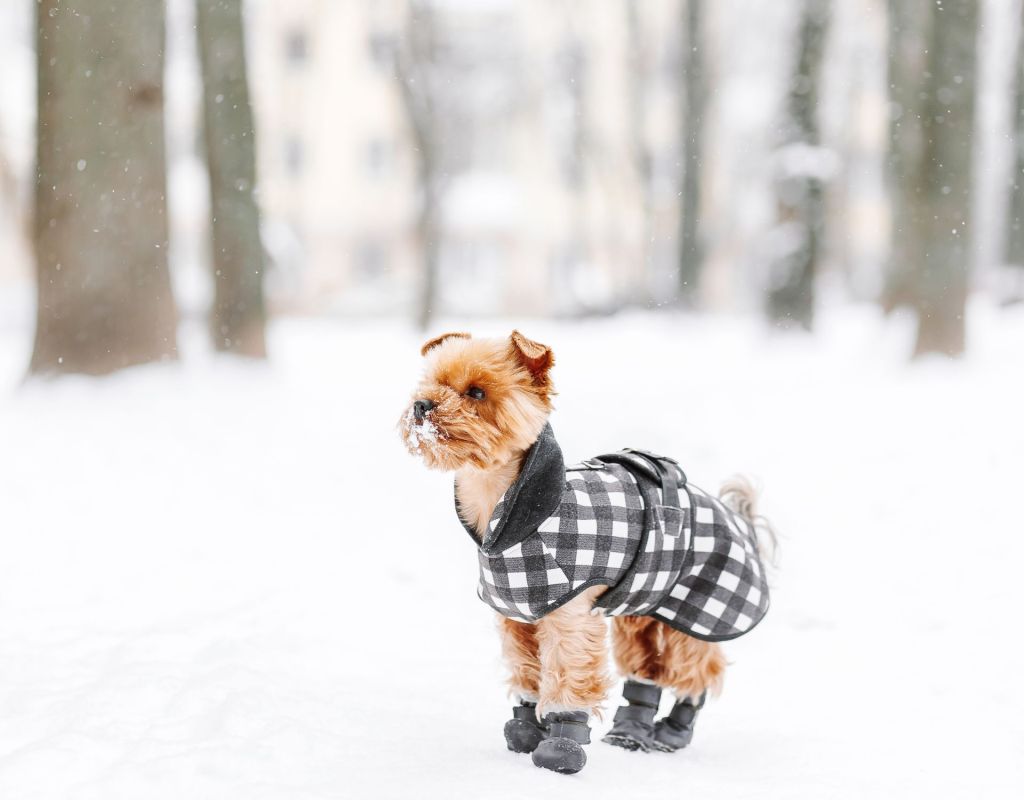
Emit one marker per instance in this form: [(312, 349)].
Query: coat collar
[(533, 497)]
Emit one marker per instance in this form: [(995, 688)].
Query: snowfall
[(230, 580)]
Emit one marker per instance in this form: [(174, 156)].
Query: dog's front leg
[(574, 680), (522, 657)]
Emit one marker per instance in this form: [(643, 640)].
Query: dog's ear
[(428, 346), (536, 357)]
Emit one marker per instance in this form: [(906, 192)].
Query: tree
[(1015, 224), (940, 292), (931, 84), (694, 102), (100, 227), (905, 165), (802, 167), (637, 70), (458, 84), (415, 66), (238, 317)]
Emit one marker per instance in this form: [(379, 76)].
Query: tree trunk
[(1015, 226), (799, 183), (428, 229), (694, 102), (637, 72), (909, 29), (948, 119), (238, 318), (100, 228), (414, 65)]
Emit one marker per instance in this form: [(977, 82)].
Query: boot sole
[(625, 742)]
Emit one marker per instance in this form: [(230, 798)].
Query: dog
[(623, 535)]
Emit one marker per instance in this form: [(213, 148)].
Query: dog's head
[(480, 402)]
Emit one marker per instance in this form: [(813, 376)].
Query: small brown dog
[(624, 535)]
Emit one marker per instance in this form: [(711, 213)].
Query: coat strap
[(662, 471)]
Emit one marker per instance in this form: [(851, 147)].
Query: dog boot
[(562, 751), (633, 727), (674, 732), (523, 732)]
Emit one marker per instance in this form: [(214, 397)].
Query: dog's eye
[(475, 392)]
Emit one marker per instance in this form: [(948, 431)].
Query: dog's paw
[(560, 754), (669, 737), (523, 736), (675, 731)]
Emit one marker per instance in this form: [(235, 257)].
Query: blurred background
[(778, 238), (411, 159)]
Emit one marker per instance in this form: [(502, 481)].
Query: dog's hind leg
[(690, 668), (637, 647), (653, 656), (521, 651), (574, 680)]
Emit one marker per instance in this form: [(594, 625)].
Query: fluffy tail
[(739, 494)]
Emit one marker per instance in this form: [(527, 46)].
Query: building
[(542, 207)]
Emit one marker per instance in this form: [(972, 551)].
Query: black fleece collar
[(534, 496)]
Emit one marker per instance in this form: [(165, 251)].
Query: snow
[(232, 581), (418, 436)]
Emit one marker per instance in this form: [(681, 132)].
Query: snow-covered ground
[(221, 580)]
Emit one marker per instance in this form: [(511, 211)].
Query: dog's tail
[(740, 495)]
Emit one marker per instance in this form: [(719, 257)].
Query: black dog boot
[(675, 731), (562, 751), (524, 732), (633, 728)]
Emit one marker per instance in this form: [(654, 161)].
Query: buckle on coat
[(652, 455)]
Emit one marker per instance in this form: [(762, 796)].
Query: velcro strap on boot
[(526, 711), (643, 714), (569, 725), (642, 694), (684, 712)]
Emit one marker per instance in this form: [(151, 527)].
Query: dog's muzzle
[(420, 409)]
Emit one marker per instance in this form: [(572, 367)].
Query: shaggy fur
[(573, 657), (652, 651), (482, 436), (521, 650), (740, 495), (561, 661)]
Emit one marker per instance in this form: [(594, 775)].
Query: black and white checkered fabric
[(707, 581), (716, 586), (590, 540)]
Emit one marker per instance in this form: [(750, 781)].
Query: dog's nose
[(420, 409)]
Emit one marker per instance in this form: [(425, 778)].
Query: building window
[(294, 155), (296, 47)]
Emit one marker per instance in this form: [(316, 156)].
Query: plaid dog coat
[(665, 548)]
